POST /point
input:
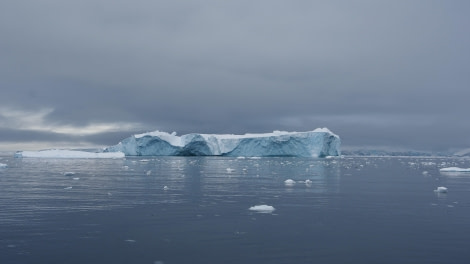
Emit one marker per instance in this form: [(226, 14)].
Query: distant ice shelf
[(67, 154), (320, 142)]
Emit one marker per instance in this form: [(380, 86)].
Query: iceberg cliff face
[(317, 143)]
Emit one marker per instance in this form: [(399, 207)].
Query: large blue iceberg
[(317, 143)]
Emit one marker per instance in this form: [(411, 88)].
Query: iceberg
[(320, 142), (68, 154)]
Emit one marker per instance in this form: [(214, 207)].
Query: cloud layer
[(375, 72)]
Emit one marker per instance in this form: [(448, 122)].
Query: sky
[(377, 73)]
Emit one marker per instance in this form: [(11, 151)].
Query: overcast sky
[(377, 73)]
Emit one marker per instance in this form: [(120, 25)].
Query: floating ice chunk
[(3, 165), (441, 190), (455, 169), (289, 182), (68, 188), (166, 188), (308, 183), (148, 172), (229, 170), (76, 179), (262, 208), (68, 154), (69, 173)]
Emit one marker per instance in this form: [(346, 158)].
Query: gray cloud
[(365, 69)]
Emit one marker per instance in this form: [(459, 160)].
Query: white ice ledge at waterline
[(317, 143), (68, 154)]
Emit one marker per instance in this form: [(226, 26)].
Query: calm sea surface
[(356, 210)]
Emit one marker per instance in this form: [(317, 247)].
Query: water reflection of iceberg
[(226, 179)]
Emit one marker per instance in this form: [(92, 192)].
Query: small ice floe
[(76, 178), (3, 165), (125, 167), (130, 240), (425, 173), (289, 182), (262, 208), (454, 169), (441, 190), (229, 170), (68, 188), (308, 183), (166, 188), (69, 173), (148, 172)]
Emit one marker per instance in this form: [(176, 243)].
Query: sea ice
[(455, 169), (3, 165), (68, 154), (441, 190), (317, 143), (262, 208)]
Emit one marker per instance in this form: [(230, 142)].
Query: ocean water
[(164, 210)]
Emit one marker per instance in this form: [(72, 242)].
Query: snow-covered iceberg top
[(317, 143), (68, 154)]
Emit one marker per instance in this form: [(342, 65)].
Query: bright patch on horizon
[(36, 121)]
